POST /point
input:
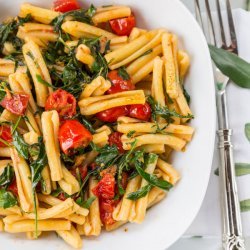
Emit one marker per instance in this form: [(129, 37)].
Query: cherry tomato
[(13, 187), (115, 139), (118, 83), (66, 5), (16, 103), (140, 111), (61, 196), (83, 170), (111, 115), (106, 210), (63, 102), (105, 188), (122, 26), (5, 134), (73, 135)]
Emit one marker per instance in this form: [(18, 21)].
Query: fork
[(232, 238)]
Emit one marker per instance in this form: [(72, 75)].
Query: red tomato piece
[(111, 115), (105, 188), (123, 26), (73, 135), (5, 134), (140, 111), (16, 103), (115, 139), (13, 187), (83, 170), (118, 83), (61, 196), (106, 210), (63, 102), (124, 181), (66, 5)]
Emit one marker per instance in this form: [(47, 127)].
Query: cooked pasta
[(90, 115)]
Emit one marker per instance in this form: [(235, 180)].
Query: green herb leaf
[(7, 199), (87, 124), (85, 204), (123, 73), (147, 52), (21, 146), (247, 131), (245, 205), (38, 165), (237, 69), (7, 176), (131, 133), (41, 80), (142, 192), (107, 155)]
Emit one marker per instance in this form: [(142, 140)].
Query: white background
[(197, 243)]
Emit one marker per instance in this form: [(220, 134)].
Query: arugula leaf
[(131, 133), (38, 165), (7, 199), (164, 112), (123, 73), (237, 69), (147, 52), (85, 204), (142, 192), (21, 146), (7, 176), (87, 124), (247, 131), (107, 155), (41, 80), (153, 180), (81, 15)]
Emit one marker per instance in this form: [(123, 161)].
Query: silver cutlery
[(232, 238)]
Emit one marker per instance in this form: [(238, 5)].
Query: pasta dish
[(91, 108)]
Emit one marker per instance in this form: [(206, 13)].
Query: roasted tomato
[(119, 84), (111, 115), (61, 196), (115, 139), (16, 103), (66, 5), (73, 135), (5, 134), (63, 102), (140, 111), (122, 26), (106, 210), (105, 188), (13, 187)]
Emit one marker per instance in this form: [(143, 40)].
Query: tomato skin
[(63, 102), (115, 139), (13, 187), (73, 135), (66, 5), (111, 115), (5, 134), (16, 103), (61, 196), (123, 26), (106, 210), (83, 170), (105, 188), (118, 83), (140, 111)]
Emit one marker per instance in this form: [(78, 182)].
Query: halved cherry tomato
[(16, 103), (63, 102), (73, 135), (105, 188), (115, 139), (106, 210), (13, 187), (140, 111), (5, 134), (66, 5), (111, 115), (122, 26), (118, 83), (83, 170)]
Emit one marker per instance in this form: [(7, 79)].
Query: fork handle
[(232, 229)]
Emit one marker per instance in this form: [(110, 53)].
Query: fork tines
[(211, 34)]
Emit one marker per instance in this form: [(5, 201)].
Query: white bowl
[(167, 221)]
